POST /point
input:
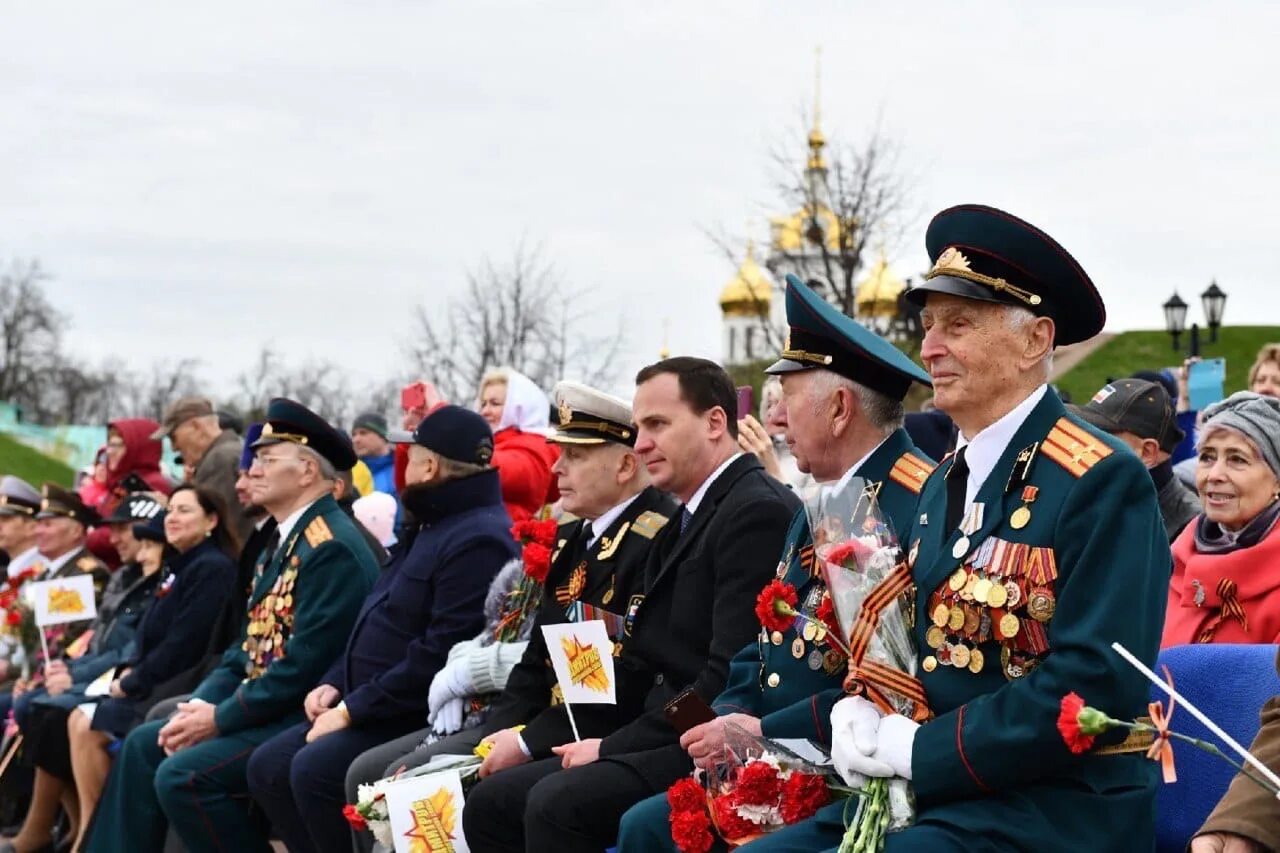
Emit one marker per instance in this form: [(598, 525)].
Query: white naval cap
[(588, 416)]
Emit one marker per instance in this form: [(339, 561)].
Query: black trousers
[(46, 740), (540, 808)]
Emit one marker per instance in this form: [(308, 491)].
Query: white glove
[(453, 681), (890, 755), (854, 723), (447, 719)]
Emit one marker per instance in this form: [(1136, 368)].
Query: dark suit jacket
[(698, 608)]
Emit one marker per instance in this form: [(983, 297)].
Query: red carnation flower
[(826, 614), (13, 618), (691, 831), (686, 795), (732, 827), (802, 795), (544, 532), (353, 816), (758, 785), (537, 561), (1077, 737), (776, 606)]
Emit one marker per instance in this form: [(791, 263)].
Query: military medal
[(832, 661), (960, 655), (934, 637), (971, 621), (961, 548), (940, 615), (981, 590), (1041, 604), (1013, 592), (1009, 625), (809, 631), (819, 634), (957, 579), (797, 648), (976, 661), (929, 664), (774, 679), (776, 638), (997, 595), (1022, 515), (955, 618), (815, 660)]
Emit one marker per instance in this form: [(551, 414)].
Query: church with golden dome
[(807, 242)]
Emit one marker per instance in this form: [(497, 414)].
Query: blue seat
[(1229, 683)]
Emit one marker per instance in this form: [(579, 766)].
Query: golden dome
[(877, 294), (750, 291), (790, 233)]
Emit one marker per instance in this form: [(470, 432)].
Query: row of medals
[(276, 602), (972, 596), (831, 660)]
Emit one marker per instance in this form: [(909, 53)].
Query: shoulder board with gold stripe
[(317, 532), (910, 472), (1073, 447), (87, 563), (649, 523)]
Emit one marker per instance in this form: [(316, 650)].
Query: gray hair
[(882, 411), (1019, 319), (323, 466), (452, 469), (1253, 416)]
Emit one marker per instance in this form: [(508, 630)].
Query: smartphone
[(688, 710), (746, 401), (1205, 380), (134, 483), (413, 398)]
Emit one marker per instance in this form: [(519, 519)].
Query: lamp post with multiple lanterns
[(1213, 301)]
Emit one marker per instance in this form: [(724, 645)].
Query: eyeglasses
[(267, 461)]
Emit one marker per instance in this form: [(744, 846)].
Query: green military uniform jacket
[(1071, 534), (584, 583), (300, 613), (791, 679)]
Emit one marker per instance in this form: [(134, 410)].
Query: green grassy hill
[(31, 465), (1152, 350)]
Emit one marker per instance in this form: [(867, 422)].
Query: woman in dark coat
[(71, 744)]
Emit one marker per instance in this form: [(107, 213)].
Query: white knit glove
[(453, 681), (447, 719)]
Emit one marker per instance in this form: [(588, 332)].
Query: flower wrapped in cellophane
[(871, 595), (755, 788)]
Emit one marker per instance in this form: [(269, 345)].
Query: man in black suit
[(702, 578)]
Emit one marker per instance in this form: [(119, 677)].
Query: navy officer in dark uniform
[(430, 596), (188, 772), (842, 389), (1037, 545)]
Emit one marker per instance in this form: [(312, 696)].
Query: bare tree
[(519, 315), (30, 331)]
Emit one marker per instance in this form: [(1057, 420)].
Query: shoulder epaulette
[(87, 563), (910, 472), (649, 523), (317, 532), (1073, 447)]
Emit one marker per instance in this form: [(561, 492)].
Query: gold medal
[(981, 590), (960, 655), (1014, 594), (941, 614), (929, 664), (997, 596), (961, 547), (797, 648), (819, 635), (607, 597), (971, 621), (1009, 625), (934, 637), (976, 661), (967, 592), (809, 631), (776, 638), (1041, 604), (957, 579), (955, 618), (1019, 518)]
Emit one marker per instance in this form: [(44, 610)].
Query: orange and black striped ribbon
[(874, 678)]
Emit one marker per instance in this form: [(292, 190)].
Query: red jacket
[(142, 457), (1239, 591), (524, 461)]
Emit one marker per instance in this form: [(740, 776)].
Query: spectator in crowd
[(1264, 375), (91, 481), (62, 526), (702, 579), (1226, 564), (251, 553), (369, 438), (377, 512), (766, 439), (416, 399), (429, 598), (132, 465), (344, 492), (188, 772), (211, 453), (19, 503), (518, 412), (68, 744), (1140, 414), (1247, 819)]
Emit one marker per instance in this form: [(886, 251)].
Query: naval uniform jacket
[(300, 614), (607, 576), (1072, 531), (786, 678), (698, 608)]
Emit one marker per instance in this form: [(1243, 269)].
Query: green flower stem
[(783, 609), (1203, 745)]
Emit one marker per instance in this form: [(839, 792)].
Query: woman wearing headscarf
[(1226, 564), (518, 412), (130, 452)]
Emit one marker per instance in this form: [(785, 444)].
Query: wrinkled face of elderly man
[(984, 358)]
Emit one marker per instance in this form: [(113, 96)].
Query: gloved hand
[(890, 752), (453, 681), (854, 725), (447, 719)]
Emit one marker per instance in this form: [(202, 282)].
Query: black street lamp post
[(1175, 318), (1214, 300)]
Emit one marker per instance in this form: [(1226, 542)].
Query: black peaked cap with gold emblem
[(819, 336), (57, 502), (982, 253), (18, 497), (292, 422), (589, 416)]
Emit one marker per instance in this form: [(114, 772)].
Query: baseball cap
[(1137, 406)]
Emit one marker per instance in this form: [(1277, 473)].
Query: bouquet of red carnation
[(756, 788), (537, 538), (19, 630)]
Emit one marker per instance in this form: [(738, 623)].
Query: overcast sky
[(201, 181)]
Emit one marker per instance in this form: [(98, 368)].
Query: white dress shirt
[(985, 449), (696, 499), (601, 524)]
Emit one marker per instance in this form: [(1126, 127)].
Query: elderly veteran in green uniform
[(189, 772), (1037, 545), (842, 388)]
